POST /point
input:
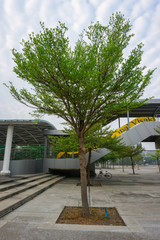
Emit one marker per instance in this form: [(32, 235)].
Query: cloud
[(19, 18), (13, 14), (95, 3), (82, 15), (105, 10), (141, 6), (140, 26), (31, 6)]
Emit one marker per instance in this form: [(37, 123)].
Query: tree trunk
[(122, 164), (83, 176), (132, 162), (158, 164), (88, 167), (107, 164)]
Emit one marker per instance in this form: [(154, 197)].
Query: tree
[(115, 145), (156, 156), (85, 85), (112, 156), (97, 137), (65, 144), (132, 152)]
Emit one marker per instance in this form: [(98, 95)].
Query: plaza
[(136, 197)]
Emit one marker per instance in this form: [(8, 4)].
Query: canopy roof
[(150, 109), (26, 132)]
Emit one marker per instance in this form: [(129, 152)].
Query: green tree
[(83, 85), (65, 144), (156, 156), (118, 150), (97, 137), (111, 156), (132, 152)]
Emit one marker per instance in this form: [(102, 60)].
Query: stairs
[(18, 190)]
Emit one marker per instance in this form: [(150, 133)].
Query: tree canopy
[(156, 155), (86, 84), (132, 152)]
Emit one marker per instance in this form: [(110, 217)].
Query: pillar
[(45, 147), (45, 152), (7, 153)]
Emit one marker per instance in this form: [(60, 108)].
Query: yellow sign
[(132, 123), (60, 154), (118, 132)]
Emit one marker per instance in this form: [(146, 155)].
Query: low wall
[(64, 166), (30, 166), (60, 163), (25, 166)]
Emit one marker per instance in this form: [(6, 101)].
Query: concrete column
[(45, 147), (7, 153), (45, 152)]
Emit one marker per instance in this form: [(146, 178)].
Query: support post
[(7, 153), (45, 147), (45, 152)]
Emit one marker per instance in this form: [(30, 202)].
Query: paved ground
[(137, 199)]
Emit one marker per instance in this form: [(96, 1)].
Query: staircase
[(18, 190)]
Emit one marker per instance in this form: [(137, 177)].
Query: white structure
[(7, 153), (36, 133)]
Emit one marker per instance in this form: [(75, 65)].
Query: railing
[(24, 153)]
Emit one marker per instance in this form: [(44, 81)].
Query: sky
[(18, 18)]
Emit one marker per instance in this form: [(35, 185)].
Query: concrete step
[(7, 179), (25, 186), (9, 204), (23, 180), (24, 176)]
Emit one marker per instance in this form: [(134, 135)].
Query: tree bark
[(113, 164), (158, 164), (122, 164), (88, 167), (83, 176), (132, 162)]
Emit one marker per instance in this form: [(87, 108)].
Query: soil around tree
[(73, 215)]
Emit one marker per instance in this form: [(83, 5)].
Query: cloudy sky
[(18, 18)]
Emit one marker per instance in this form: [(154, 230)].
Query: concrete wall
[(60, 163), (29, 166), (25, 166)]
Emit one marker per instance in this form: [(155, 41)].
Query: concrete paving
[(137, 199), (14, 195)]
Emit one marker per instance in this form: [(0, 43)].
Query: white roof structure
[(27, 132)]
